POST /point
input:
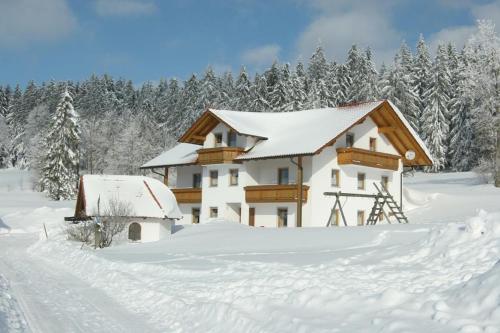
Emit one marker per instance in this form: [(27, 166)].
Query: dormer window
[(231, 138), (349, 140), (218, 139), (373, 144)]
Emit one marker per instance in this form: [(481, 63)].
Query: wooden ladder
[(384, 197)]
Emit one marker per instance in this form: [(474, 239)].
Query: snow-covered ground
[(438, 274)]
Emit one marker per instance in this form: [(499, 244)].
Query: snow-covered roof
[(293, 133), (285, 134), (181, 154), (146, 196)]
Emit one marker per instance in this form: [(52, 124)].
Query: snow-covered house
[(250, 167), (145, 205)]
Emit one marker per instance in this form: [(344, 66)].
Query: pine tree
[(399, 86), (242, 93), (259, 100), (16, 120), (461, 130), (422, 74), (318, 66), (435, 126), (60, 171)]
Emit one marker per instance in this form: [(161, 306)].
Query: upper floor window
[(335, 181), (231, 138), (349, 140), (283, 176), (196, 180), (361, 181), (218, 139), (373, 144), (233, 177), (214, 178)]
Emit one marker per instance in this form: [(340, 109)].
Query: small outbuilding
[(147, 206)]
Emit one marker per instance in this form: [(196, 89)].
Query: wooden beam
[(198, 137), (165, 176), (387, 129), (299, 192)]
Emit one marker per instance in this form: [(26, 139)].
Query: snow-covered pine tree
[(16, 120), (455, 77), (298, 93), (209, 93), (483, 86), (398, 86), (258, 94), (341, 82), (318, 66), (435, 126), (242, 92), (422, 73), (461, 130), (226, 95), (60, 171), (370, 90), (357, 70), (279, 81)]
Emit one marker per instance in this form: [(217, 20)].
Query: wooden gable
[(392, 127)]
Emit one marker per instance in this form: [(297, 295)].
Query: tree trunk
[(497, 161)]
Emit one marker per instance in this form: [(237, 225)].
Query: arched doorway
[(134, 231)]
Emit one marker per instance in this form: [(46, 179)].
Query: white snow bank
[(385, 284)]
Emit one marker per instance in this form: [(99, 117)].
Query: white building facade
[(244, 166)]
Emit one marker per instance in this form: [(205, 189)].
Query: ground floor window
[(195, 213), (361, 181), (282, 217), (361, 217), (214, 212), (134, 231)]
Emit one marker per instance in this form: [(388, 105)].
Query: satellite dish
[(410, 155)]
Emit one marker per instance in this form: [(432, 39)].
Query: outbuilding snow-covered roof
[(181, 154), (145, 196)]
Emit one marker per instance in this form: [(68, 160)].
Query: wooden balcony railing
[(187, 195), (218, 155), (274, 193), (367, 158)]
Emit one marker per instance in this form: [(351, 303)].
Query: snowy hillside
[(438, 274)]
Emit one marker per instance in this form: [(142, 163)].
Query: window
[(231, 139), (373, 144), (361, 181), (361, 217), (195, 213), (381, 216), (214, 178), (218, 139), (385, 182), (196, 180), (233, 177), (214, 212), (335, 181), (134, 232), (349, 140), (283, 176), (282, 217)]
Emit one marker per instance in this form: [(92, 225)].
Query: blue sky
[(144, 40)]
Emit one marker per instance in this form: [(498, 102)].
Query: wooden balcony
[(218, 155), (368, 158), (187, 195), (274, 193)]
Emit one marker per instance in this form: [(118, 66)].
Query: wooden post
[(165, 176), (299, 192)]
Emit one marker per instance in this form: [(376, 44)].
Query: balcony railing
[(368, 158), (218, 155), (274, 193), (187, 195)]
